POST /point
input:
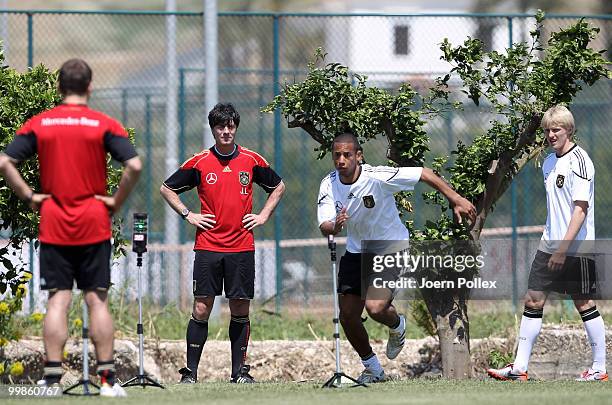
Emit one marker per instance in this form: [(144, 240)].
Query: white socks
[(372, 364), (596, 331), (531, 324)]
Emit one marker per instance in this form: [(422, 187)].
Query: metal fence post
[(278, 165), (171, 219), (211, 58), (124, 107), (591, 131), (260, 122), (31, 244), (31, 281), (148, 147), (181, 114), (307, 252), (449, 145), (449, 131), (4, 31), (513, 210), (30, 40), (181, 140)]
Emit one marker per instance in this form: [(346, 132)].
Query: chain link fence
[(257, 54)]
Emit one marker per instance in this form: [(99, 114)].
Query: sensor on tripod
[(139, 233)]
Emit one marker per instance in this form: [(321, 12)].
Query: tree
[(22, 96), (515, 85)]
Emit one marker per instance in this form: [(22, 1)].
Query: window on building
[(400, 39)]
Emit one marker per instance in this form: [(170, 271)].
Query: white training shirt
[(568, 178), (369, 203)]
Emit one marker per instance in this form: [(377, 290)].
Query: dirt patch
[(561, 352)]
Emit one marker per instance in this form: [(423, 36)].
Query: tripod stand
[(141, 379), (84, 381), (336, 380)]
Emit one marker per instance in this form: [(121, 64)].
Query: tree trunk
[(449, 311), (454, 349)]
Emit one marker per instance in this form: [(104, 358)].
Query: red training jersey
[(72, 142), (225, 189)]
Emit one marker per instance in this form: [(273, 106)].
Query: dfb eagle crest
[(368, 201), (560, 180), (244, 178)]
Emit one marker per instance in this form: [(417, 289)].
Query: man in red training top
[(224, 243), (72, 142)]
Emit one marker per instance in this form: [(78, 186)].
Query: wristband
[(28, 200)]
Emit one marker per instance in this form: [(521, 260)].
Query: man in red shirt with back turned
[(72, 142), (224, 244)]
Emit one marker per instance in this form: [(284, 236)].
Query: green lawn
[(405, 392), (169, 322)]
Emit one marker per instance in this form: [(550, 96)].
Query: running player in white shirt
[(569, 178), (360, 197)]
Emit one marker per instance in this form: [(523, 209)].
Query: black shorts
[(215, 271), (349, 274), (356, 272), (61, 265), (577, 276)]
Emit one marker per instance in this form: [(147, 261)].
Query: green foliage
[(498, 359), (422, 318), (332, 100), (11, 305), (113, 179), (9, 329), (518, 87), (23, 96)]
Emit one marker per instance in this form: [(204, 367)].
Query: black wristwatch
[(185, 212)]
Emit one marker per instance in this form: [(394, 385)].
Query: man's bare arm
[(202, 221), (9, 171), (131, 172), (251, 221), (461, 206)]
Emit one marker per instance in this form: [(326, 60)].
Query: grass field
[(405, 392)]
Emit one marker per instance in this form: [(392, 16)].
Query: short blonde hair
[(561, 116)]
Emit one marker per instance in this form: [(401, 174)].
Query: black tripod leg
[(336, 381), (85, 385), (357, 383), (333, 382), (130, 382), (143, 381), (153, 383)]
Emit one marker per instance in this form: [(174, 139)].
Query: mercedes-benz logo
[(211, 178), (339, 207)]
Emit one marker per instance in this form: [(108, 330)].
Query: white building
[(391, 49)]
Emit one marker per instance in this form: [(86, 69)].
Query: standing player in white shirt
[(360, 197), (569, 179)]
